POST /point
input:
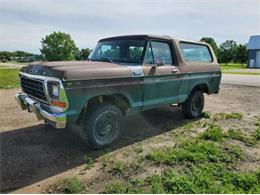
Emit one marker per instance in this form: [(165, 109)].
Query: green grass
[(196, 152), (138, 148), (13, 62), (257, 134), (119, 167), (208, 166), (134, 187), (241, 73), (205, 114), (226, 116), (9, 78), (213, 132), (207, 178), (250, 140), (89, 161), (73, 186), (206, 163), (115, 187), (114, 166), (227, 69), (232, 66)]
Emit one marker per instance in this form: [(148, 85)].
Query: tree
[(22, 54), (211, 42), (227, 51), (6, 56), (241, 54), (83, 54), (58, 46)]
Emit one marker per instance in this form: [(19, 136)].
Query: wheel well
[(118, 100), (201, 87)]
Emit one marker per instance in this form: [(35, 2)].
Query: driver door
[(162, 75)]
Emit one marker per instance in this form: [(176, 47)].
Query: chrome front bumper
[(54, 118)]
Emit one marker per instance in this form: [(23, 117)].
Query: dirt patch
[(33, 157)]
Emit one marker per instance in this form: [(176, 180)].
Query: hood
[(82, 70)]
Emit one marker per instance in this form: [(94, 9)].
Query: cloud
[(23, 23)]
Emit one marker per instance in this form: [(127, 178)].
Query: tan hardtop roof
[(143, 36)]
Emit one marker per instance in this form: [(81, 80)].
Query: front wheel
[(194, 105), (101, 125)]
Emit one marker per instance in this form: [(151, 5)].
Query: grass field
[(238, 69), (204, 163), (232, 66), (13, 62), (9, 78), (241, 73)]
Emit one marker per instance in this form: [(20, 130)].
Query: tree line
[(20, 56), (59, 46)]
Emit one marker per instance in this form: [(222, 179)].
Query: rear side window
[(192, 52)]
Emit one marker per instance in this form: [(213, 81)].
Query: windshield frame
[(122, 62)]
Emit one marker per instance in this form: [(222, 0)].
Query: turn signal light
[(59, 104)]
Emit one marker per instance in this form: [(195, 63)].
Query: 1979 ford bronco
[(124, 73)]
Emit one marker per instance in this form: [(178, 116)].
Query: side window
[(161, 52), (192, 52)]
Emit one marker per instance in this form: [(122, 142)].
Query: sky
[(24, 22)]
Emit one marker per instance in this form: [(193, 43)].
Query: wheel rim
[(197, 104), (106, 126)]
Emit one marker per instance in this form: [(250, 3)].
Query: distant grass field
[(238, 69), (232, 66), (241, 73), (9, 78), (14, 62)]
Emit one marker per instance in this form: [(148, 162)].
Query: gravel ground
[(241, 80), (34, 156)]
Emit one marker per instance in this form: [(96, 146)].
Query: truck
[(123, 74)]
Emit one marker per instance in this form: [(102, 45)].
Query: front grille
[(33, 88)]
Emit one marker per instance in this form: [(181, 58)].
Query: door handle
[(174, 71)]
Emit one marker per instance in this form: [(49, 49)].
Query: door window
[(159, 52)]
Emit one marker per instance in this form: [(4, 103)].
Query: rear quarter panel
[(197, 73)]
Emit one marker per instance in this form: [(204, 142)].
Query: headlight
[(54, 90)]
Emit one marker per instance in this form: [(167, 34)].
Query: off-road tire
[(194, 105), (103, 119)]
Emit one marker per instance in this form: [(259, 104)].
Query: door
[(162, 77), (257, 59)]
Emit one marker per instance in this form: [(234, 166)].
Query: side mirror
[(154, 66), (160, 62), (153, 69)]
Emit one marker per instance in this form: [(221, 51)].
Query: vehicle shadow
[(34, 153)]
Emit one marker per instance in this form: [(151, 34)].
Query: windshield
[(128, 51)]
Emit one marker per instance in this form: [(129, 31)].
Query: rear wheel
[(101, 125), (194, 105)]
